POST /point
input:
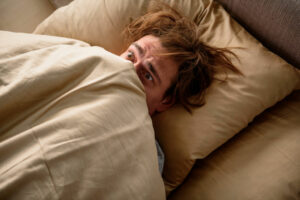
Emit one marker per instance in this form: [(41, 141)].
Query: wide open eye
[(130, 56), (148, 76)]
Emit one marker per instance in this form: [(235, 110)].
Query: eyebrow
[(139, 48), (152, 69)]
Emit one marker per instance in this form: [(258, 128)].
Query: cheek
[(150, 96), (153, 95), (153, 99)]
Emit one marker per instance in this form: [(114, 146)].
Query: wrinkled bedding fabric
[(73, 123)]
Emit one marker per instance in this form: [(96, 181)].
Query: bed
[(74, 122)]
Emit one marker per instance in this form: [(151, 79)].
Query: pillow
[(260, 163), (284, 15), (23, 16), (101, 22), (229, 107)]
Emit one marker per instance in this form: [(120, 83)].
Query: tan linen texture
[(74, 123), (260, 163), (230, 106), (23, 16)]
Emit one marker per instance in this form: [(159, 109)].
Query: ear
[(165, 104)]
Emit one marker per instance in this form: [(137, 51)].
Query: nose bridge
[(138, 63)]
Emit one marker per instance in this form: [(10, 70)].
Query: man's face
[(157, 73)]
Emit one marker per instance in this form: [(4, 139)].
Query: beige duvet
[(73, 123)]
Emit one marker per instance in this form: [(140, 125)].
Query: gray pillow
[(274, 22)]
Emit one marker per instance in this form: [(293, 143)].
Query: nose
[(139, 69), (137, 65)]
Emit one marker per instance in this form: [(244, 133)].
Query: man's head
[(157, 73), (185, 65)]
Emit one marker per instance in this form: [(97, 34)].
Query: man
[(155, 72), (170, 60)]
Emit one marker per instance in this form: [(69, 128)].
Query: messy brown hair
[(180, 37)]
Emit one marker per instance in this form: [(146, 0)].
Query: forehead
[(151, 44), (165, 65), (152, 49)]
